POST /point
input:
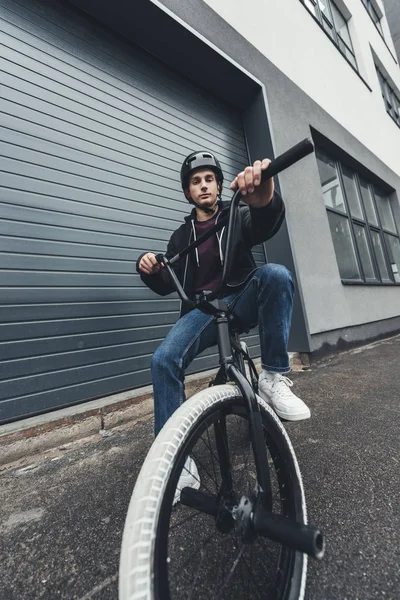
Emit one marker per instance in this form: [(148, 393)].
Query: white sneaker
[(275, 389), (189, 478)]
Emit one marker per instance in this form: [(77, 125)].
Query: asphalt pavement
[(62, 510)]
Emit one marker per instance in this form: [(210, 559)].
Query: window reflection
[(376, 240), (368, 202), (344, 248), (393, 245), (365, 255), (331, 190), (352, 194), (385, 210)]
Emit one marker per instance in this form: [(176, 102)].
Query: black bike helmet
[(200, 160)]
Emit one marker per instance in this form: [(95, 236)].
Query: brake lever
[(163, 260)]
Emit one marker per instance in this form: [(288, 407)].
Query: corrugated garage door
[(92, 135)]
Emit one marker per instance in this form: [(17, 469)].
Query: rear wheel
[(177, 552)]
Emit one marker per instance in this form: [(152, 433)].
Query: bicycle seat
[(235, 326)]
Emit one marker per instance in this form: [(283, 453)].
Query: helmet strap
[(208, 211), (205, 209)]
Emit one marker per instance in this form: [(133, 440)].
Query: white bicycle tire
[(136, 574)]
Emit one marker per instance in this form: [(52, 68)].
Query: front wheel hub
[(225, 519), (244, 519)]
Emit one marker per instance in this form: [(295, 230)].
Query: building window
[(363, 229), (334, 24), (369, 5), (390, 97)]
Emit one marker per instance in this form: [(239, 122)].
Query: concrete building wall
[(392, 8), (320, 92), (286, 34)]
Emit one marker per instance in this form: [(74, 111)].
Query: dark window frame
[(389, 97), (368, 227), (369, 7), (320, 18)]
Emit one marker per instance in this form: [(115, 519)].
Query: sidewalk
[(35, 434), (27, 437), (62, 509)]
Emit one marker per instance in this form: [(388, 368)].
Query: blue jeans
[(265, 300)]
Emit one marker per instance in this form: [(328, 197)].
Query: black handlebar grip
[(288, 158)]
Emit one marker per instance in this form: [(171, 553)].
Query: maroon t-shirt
[(209, 268)]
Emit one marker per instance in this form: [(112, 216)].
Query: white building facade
[(345, 237)]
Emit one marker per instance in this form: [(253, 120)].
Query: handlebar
[(280, 163)]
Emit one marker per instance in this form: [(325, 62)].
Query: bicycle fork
[(301, 537), (254, 515)]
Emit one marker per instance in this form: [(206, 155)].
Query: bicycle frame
[(301, 537)]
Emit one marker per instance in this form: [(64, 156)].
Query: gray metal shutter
[(93, 132)]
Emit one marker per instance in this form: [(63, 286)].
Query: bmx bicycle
[(241, 531)]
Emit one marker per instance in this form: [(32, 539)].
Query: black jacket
[(254, 226)]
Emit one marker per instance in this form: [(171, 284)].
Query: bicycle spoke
[(242, 578), (231, 572), (251, 562), (248, 585), (241, 565), (186, 519), (197, 575), (221, 568), (204, 543), (212, 460), (262, 591), (212, 452), (245, 450), (246, 466), (202, 484), (223, 451)]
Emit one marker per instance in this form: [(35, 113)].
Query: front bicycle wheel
[(177, 552)]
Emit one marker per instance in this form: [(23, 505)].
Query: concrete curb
[(27, 437)]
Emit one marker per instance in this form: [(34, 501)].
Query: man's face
[(203, 187)]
